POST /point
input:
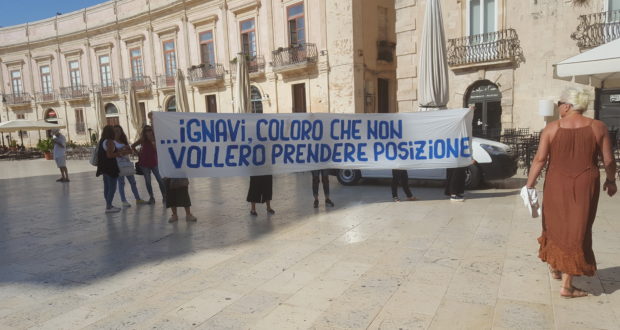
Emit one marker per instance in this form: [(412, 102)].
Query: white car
[(492, 161)]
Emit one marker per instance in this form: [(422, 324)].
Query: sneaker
[(112, 210), (173, 218), (142, 201), (126, 204), (151, 200), (329, 202), (191, 218), (457, 198), (396, 199), (316, 203), (60, 180)]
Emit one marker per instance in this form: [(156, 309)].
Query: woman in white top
[(121, 143)]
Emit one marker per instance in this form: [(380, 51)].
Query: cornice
[(14, 62), (167, 30), (204, 20), (73, 52), (134, 38), (42, 58), (245, 7), (103, 46)]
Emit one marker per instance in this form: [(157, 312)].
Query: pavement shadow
[(606, 281)]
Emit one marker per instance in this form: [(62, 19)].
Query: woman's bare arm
[(541, 157), (110, 149)]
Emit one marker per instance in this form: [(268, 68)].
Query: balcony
[(165, 81), (74, 93), (205, 74), (385, 51), (256, 66), (494, 48), (142, 85), (107, 91), (16, 100), (597, 29), (47, 97), (294, 58)]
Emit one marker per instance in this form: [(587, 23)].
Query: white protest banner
[(218, 145)]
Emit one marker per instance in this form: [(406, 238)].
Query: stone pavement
[(367, 263)]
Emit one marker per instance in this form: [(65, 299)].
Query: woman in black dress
[(260, 191)]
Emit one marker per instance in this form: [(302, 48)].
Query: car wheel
[(349, 177), (473, 177)]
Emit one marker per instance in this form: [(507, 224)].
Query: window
[(614, 5), (16, 82), (481, 16), (170, 59), (74, 74), (211, 104), (256, 99), (171, 105), (46, 79), (248, 37), (299, 98), (296, 24), (80, 125), (21, 116), (137, 70), (613, 10), (105, 71), (207, 48), (382, 18)]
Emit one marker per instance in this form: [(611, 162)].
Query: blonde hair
[(578, 98)]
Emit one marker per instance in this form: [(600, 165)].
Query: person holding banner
[(147, 160), (260, 191), (177, 193), (324, 174), (401, 177), (455, 184)]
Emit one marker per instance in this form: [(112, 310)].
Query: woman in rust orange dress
[(571, 146)]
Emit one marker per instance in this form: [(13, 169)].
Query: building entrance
[(487, 101)]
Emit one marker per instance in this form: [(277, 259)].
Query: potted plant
[(46, 146)]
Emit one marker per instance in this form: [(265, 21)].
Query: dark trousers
[(315, 183), (455, 183), (400, 177)]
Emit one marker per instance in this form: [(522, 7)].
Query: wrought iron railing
[(597, 29), (140, 84), (109, 90), (165, 81), (17, 98), (256, 64), (47, 97), (385, 50), (204, 72), (74, 92), (297, 54), (497, 46)]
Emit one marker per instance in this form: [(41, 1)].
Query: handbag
[(176, 183), (139, 170), (125, 166), (94, 157)]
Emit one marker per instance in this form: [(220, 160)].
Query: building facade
[(501, 55), (303, 56)]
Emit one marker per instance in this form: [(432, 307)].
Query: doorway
[(608, 109), (211, 104), (171, 105), (383, 96), (111, 114), (487, 101), (299, 98)]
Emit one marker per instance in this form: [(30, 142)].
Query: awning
[(601, 63)]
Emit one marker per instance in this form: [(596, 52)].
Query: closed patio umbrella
[(181, 92), (134, 110), (433, 91), (242, 90)]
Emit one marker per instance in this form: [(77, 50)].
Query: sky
[(13, 12)]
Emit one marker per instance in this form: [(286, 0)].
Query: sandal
[(329, 202), (412, 198), (573, 293), (173, 218), (396, 199), (252, 212), (271, 211)]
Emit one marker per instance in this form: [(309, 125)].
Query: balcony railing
[(256, 65), (597, 29), (205, 73), (501, 46), (74, 92), (141, 84), (385, 50), (47, 97), (15, 99), (165, 81), (295, 55), (110, 90)]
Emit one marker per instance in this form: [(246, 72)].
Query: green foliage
[(13, 143), (72, 144), (45, 145)]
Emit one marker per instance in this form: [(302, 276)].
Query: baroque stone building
[(501, 55), (304, 56)]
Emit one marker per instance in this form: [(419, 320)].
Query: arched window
[(171, 105), (111, 110), (256, 99), (51, 116)]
